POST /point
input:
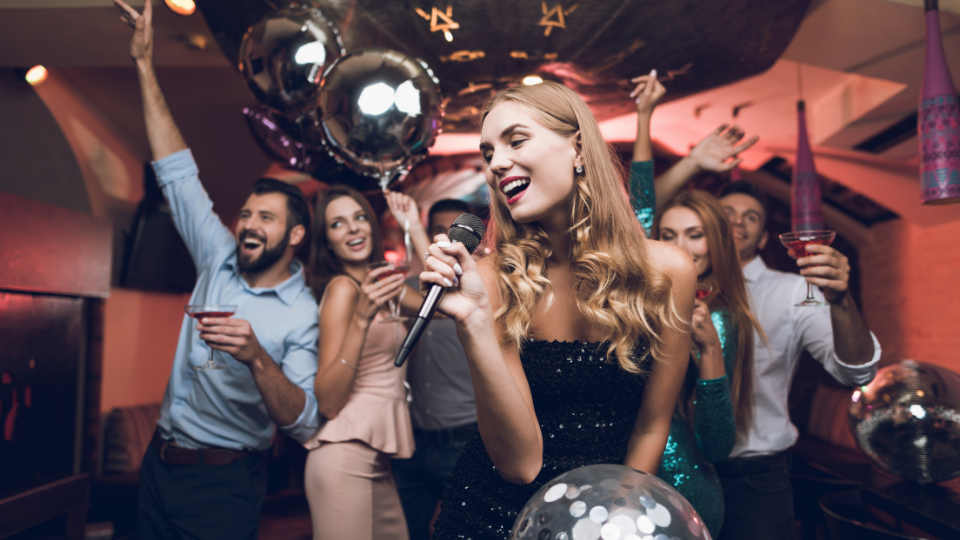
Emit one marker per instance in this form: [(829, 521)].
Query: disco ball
[(908, 421), (608, 501)]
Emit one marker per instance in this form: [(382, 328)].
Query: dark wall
[(37, 161)]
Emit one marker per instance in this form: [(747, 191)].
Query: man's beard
[(267, 257)]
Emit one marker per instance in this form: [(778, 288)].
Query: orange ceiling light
[(181, 7), (36, 75)]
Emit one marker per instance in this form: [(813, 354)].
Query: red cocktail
[(796, 243), (203, 311), (705, 291), (392, 304)]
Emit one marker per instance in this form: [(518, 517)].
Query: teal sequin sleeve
[(689, 453), (642, 196), (714, 422)]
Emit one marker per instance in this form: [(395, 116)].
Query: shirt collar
[(753, 269), (287, 291)]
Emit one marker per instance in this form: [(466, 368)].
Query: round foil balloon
[(284, 54), (907, 420), (608, 501), (379, 112)]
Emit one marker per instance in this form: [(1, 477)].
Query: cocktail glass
[(393, 303), (796, 243), (201, 311)]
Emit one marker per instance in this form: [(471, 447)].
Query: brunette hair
[(324, 264)]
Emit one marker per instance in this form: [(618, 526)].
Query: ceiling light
[(531, 80), (181, 7), (36, 75)]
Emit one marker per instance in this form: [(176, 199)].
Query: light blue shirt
[(223, 407)]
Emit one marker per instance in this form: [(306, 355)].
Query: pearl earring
[(578, 170)]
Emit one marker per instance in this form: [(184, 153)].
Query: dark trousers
[(758, 498), (201, 502), (420, 479)]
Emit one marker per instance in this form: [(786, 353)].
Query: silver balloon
[(379, 112), (608, 501), (283, 56), (907, 420)]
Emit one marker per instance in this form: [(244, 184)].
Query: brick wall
[(911, 291)]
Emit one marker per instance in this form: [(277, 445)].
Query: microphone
[(466, 229)]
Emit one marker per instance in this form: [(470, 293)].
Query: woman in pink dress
[(348, 480)]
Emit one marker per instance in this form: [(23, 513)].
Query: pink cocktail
[(395, 268), (205, 311), (796, 243)]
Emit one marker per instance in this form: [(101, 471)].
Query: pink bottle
[(805, 213), (938, 124)]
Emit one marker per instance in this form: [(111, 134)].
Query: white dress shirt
[(790, 329)]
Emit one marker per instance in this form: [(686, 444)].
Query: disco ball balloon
[(284, 54), (907, 420), (608, 501), (379, 112)]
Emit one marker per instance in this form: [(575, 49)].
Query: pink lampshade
[(938, 124), (805, 212)]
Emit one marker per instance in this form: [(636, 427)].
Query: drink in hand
[(796, 243), (203, 311), (402, 269)]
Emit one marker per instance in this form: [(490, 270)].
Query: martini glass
[(394, 303), (796, 243), (200, 311)]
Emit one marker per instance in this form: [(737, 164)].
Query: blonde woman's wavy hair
[(617, 287)]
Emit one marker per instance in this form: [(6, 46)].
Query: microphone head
[(467, 229)]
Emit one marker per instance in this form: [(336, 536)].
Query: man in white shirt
[(756, 479)]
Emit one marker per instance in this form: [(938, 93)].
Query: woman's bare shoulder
[(670, 259)]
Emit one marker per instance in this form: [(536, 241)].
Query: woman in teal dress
[(716, 391)]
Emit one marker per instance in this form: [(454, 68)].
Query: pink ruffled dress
[(377, 412)]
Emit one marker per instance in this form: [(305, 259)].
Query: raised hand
[(141, 44), (828, 269), (403, 207), (718, 151), (647, 92)]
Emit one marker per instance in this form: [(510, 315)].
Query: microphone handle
[(427, 308)]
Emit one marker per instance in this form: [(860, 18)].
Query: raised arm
[(717, 152), (653, 420), (505, 414), (345, 313), (404, 209), (162, 132), (645, 95), (855, 352)]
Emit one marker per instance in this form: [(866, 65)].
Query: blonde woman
[(576, 328)]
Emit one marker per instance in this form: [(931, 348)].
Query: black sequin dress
[(587, 408)]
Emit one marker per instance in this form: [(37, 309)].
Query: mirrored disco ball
[(608, 502), (907, 420)]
